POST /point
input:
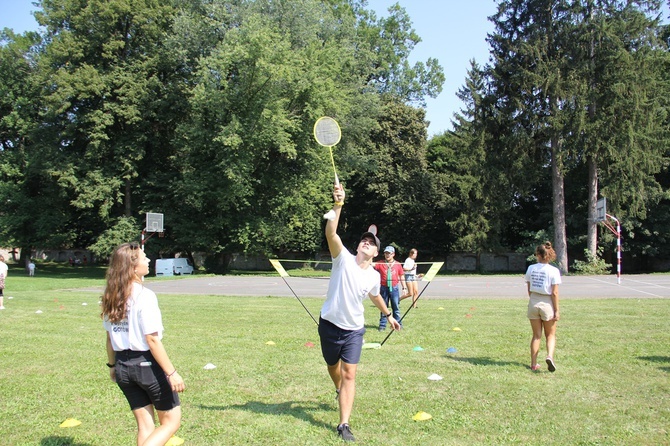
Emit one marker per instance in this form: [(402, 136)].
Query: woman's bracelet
[(175, 371)]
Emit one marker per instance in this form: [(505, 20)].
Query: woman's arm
[(554, 301), (161, 356), (111, 357)]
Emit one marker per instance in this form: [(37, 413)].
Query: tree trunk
[(592, 160), (127, 199), (558, 195), (592, 225)]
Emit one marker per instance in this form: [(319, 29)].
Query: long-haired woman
[(136, 357)]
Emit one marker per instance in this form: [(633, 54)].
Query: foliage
[(594, 265), (123, 231), (204, 111)]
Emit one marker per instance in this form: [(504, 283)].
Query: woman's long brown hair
[(120, 277)]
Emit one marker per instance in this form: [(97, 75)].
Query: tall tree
[(104, 105), (533, 82)]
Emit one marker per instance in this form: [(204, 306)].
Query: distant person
[(391, 277), (31, 268), (342, 322), (411, 277), (136, 357), (3, 275), (71, 260), (85, 260), (543, 310)]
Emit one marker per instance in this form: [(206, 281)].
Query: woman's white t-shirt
[(143, 317), (542, 277), (409, 266)]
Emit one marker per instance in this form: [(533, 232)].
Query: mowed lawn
[(611, 387)]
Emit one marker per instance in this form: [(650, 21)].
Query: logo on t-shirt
[(537, 279), (121, 327)]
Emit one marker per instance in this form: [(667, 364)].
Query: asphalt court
[(441, 287)]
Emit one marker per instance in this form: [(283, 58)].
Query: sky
[(452, 31)]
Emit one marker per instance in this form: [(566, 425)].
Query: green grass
[(612, 385)]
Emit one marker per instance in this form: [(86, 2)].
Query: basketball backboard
[(601, 210), (154, 222)]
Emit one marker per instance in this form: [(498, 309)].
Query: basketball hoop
[(601, 210), (154, 224)]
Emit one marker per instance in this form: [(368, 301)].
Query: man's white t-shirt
[(542, 277), (143, 317), (349, 285)]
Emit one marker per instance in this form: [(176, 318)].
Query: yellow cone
[(174, 441), (422, 416), (70, 422), (269, 343), (456, 329)]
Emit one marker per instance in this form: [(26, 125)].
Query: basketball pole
[(616, 232)]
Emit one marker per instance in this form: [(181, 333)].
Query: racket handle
[(337, 180)]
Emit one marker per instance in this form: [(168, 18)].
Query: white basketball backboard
[(154, 222), (601, 210)]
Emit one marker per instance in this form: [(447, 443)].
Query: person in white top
[(411, 277), (136, 356), (31, 268), (3, 275), (342, 324), (543, 280)]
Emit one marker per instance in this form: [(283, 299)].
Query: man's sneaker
[(344, 432)]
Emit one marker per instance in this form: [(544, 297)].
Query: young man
[(392, 276), (342, 324)]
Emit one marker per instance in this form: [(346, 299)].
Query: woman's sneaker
[(344, 432), (550, 365)]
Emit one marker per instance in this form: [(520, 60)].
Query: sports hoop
[(601, 210), (154, 222)]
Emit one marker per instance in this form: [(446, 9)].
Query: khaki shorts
[(540, 307)]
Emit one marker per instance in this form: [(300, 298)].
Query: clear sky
[(452, 31)]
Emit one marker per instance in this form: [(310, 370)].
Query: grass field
[(611, 386)]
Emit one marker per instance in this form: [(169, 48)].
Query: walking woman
[(543, 310), (411, 277), (136, 357)]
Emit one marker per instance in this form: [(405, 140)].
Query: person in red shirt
[(392, 276)]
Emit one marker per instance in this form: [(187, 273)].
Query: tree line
[(204, 110)]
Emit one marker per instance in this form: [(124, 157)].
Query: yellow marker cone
[(422, 416), (269, 343), (174, 441), (441, 308), (70, 422), (456, 329)]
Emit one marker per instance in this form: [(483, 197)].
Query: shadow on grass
[(56, 440), (487, 361), (301, 411), (658, 360)]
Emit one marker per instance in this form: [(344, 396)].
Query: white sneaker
[(2, 307)]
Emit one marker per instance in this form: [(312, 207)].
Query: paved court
[(489, 287)]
